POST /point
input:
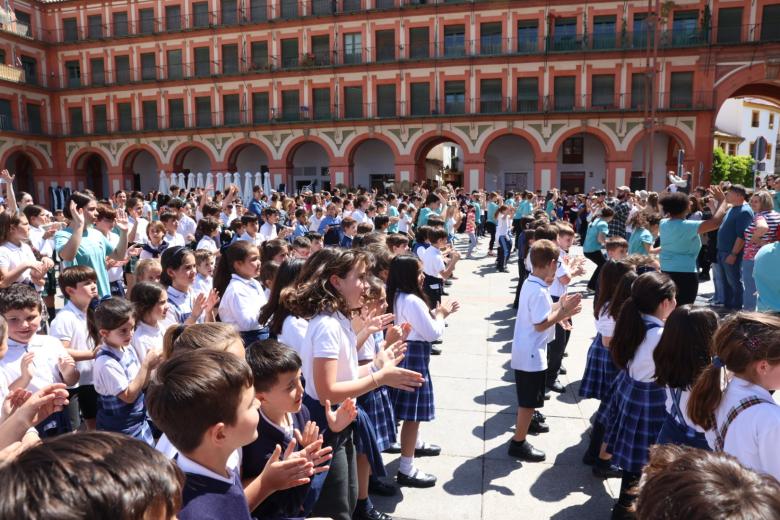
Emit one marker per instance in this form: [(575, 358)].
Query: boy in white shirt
[(171, 222), (251, 228), (204, 279), (536, 315), (434, 267), (79, 286)]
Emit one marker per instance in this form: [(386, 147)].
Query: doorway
[(573, 182), (515, 182)]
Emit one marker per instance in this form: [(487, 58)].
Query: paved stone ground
[(475, 409)]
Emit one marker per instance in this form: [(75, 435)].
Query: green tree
[(737, 169)]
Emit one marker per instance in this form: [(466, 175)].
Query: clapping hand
[(344, 415), (288, 473), (311, 432), (571, 304), (121, 221)]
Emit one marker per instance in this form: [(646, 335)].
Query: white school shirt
[(187, 226), (174, 240), (403, 222), (753, 437), (314, 223), (70, 324), (360, 216), (684, 397), (165, 447), (605, 325), (293, 332), (190, 466), (140, 230), (502, 226), (202, 284), (409, 308), (642, 366), (241, 303), (527, 262), (329, 336), (529, 346), (115, 274), (12, 255), (48, 351), (180, 307), (267, 232), (257, 240), (110, 376), (146, 337), (207, 243), (557, 289), (433, 262), (44, 246)]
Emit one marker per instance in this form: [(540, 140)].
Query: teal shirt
[(638, 238), (392, 211), (776, 198), (492, 208), (523, 209), (596, 227), (680, 244), (425, 212), (92, 252), (478, 216), (767, 277), (550, 208)]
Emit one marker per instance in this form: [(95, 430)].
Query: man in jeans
[(617, 226), (730, 245)]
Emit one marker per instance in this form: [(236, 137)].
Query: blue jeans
[(732, 281), (749, 296), (504, 250), (717, 281)]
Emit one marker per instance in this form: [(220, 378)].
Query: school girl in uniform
[(120, 379), (178, 274), (333, 292), (600, 370), (406, 299), (742, 419), (282, 324), (242, 296), (150, 302), (682, 354), (638, 406)]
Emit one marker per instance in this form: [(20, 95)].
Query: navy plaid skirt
[(600, 372), (417, 405), (379, 409), (636, 414), (365, 443)]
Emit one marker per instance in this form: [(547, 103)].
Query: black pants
[(597, 258), (339, 492), (555, 350), (687, 287), (491, 228)]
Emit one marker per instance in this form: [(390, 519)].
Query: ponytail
[(236, 252), (107, 314), (170, 337), (705, 397)]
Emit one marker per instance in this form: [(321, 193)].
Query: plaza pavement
[(475, 417)]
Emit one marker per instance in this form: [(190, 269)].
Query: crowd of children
[(256, 362)]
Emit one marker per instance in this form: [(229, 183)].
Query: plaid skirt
[(636, 414), (417, 405), (379, 409), (600, 372), (365, 443)]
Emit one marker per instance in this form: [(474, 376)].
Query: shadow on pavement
[(470, 479)]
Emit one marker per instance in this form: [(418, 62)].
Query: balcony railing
[(387, 108)]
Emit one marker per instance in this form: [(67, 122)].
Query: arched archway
[(309, 163), (21, 166), (247, 157), (649, 164), (509, 164), (192, 158), (373, 164), (93, 169), (439, 158), (143, 168), (582, 156)]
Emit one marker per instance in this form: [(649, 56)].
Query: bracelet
[(373, 379), (373, 368)]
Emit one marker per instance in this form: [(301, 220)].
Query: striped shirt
[(772, 218)]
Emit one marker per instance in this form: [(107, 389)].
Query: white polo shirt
[(529, 346), (433, 262), (329, 336), (48, 351), (642, 366), (70, 324), (241, 303), (410, 309), (557, 289)]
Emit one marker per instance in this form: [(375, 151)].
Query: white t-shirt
[(146, 337), (403, 222), (502, 226), (360, 216), (12, 255), (605, 325), (257, 240), (140, 231), (115, 273), (174, 240), (409, 308), (48, 351), (70, 324), (44, 246), (753, 437), (208, 244), (202, 284), (267, 232), (293, 332), (241, 303), (433, 262), (109, 375), (529, 346), (557, 289), (186, 225), (314, 223), (329, 336), (642, 366)]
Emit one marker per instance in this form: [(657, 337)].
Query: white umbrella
[(199, 180), (258, 179), (267, 183), (210, 180), (247, 189), (174, 180), (163, 186), (220, 186), (182, 181), (190, 181), (237, 180)]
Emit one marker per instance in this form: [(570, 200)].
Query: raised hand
[(121, 221), (76, 216), (285, 474), (28, 367), (6, 176), (344, 415), (311, 432), (315, 454), (14, 400)]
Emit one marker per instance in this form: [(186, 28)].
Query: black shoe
[(419, 480), (547, 395), (435, 351), (371, 514), (447, 283), (524, 451), (443, 293), (589, 459), (605, 469), (427, 450), (539, 416), (381, 488), (557, 387), (537, 427), (562, 371), (394, 448), (565, 354)]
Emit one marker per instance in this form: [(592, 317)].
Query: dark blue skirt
[(366, 443), (672, 432), (250, 336), (600, 372), (379, 408), (417, 405), (636, 414)]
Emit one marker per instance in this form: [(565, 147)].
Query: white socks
[(419, 444), (407, 466)]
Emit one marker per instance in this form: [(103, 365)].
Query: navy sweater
[(205, 498)]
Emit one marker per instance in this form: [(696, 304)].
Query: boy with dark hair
[(34, 361), (79, 287), (170, 220), (536, 315), (316, 241), (349, 230), (397, 243), (301, 226), (251, 227), (617, 248), (381, 223), (301, 247), (435, 269), (284, 421)]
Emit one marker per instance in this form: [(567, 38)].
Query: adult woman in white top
[(18, 263)]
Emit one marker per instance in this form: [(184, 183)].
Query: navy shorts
[(530, 387)]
